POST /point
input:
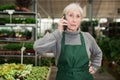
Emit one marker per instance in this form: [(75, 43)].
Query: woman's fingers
[(91, 71)]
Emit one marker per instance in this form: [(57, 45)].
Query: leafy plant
[(4, 7), (115, 51), (22, 72), (13, 47), (103, 42), (45, 61), (29, 45), (118, 69), (24, 3), (85, 25), (38, 73), (14, 71), (110, 48), (27, 34), (4, 20), (30, 20), (114, 24), (17, 46), (18, 20)]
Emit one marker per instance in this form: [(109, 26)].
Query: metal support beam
[(91, 27), (90, 9)]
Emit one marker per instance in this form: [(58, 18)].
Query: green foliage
[(102, 69), (10, 71), (104, 45), (4, 7), (118, 69), (2, 61), (12, 47), (4, 20), (29, 45), (18, 46), (114, 24), (30, 20), (38, 73), (110, 48), (45, 61), (6, 32), (27, 34), (17, 60), (18, 20), (22, 72), (115, 50), (11, 33), (86, 24)]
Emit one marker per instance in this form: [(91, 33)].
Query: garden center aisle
[(97, 76)]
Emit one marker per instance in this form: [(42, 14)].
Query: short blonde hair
[(73, 7)]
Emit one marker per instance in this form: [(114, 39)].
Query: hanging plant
[(23, 5)]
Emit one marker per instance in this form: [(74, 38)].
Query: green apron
[(73, 62)]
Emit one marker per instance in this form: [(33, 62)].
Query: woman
[(77, 54)]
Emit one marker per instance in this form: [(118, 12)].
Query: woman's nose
[(74, 19)]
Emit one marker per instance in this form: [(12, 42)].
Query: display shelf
[(19, 12), (21, 25), (17, 55), (9, 21), (13, 40), (18, 18)]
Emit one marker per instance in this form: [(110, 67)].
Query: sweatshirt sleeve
[(47, 43), (96, 54)]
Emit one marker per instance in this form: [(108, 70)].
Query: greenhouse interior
[(23, 22)]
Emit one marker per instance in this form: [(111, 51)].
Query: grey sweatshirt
[(52, 43)]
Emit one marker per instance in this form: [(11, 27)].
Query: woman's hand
[(61, 23), (91, 71)]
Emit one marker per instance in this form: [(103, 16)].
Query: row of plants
[(47, 61), (17, 60), (6, 7), (113, 31), (11, 47), (22, 72), (17, 46), (110, 48), (15, 49), (29, 60), (19, 5), (89, 26), (18, 20), (6, 33), (111, 54), (114, 24), (92, 23)]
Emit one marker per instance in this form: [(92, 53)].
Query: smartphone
[(64, 26)]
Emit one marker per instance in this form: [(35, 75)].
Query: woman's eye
[(71, 15), (78, 16)]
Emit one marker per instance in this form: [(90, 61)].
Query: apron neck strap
[(81, 37)]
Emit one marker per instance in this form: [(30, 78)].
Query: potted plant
[(23, 5), (23, 72), (88, 26), (6, 7), (12, 49)]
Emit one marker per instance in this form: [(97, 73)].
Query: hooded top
[(52, 43)]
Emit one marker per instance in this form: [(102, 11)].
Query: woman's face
[(74, 19)]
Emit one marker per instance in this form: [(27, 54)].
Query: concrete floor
[(97, 76)]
